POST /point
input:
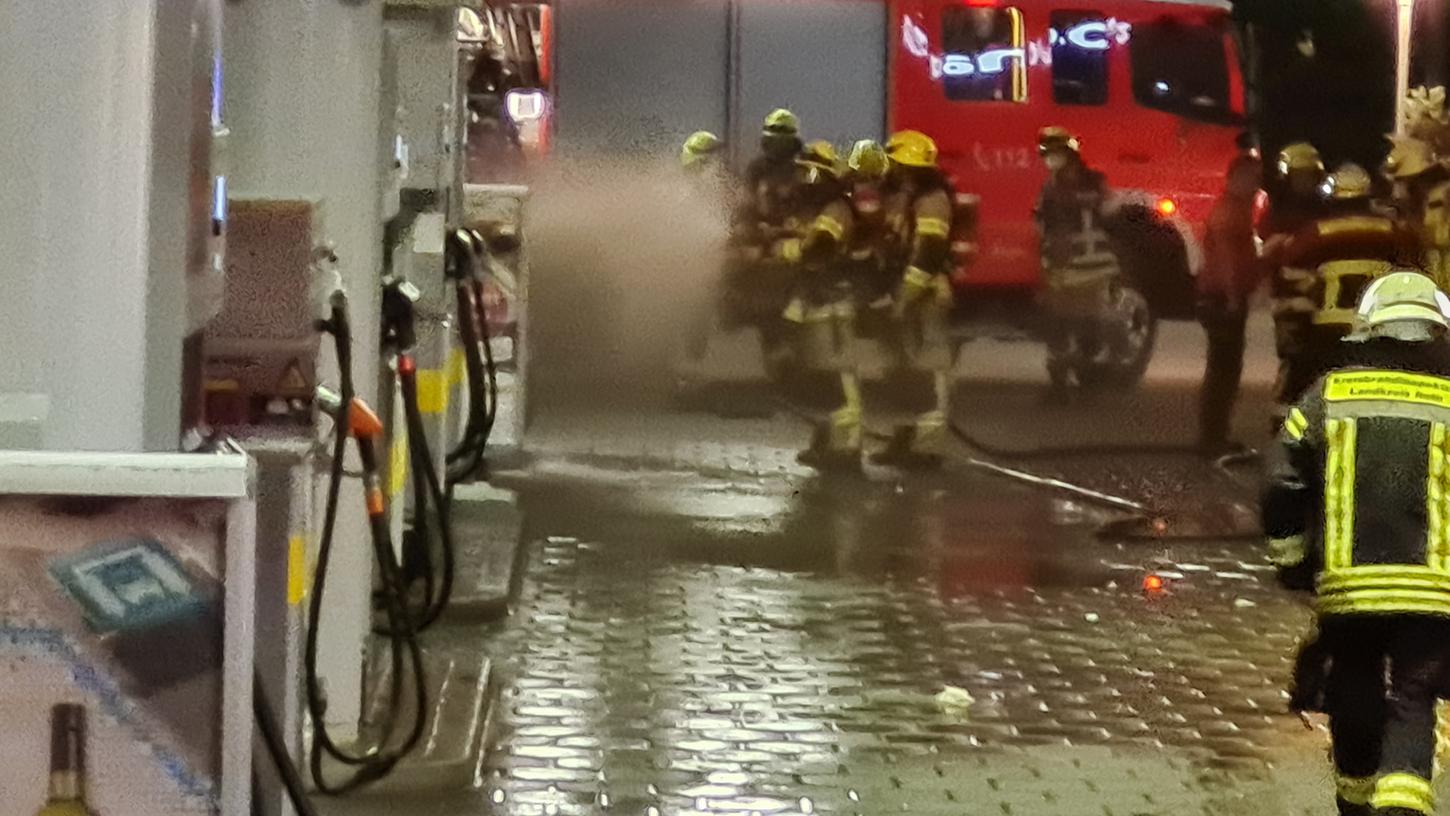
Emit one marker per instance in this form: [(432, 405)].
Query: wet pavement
[(705, 627)]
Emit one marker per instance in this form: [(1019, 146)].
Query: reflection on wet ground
[(776, 643)]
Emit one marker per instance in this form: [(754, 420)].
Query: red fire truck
[(1153, 88)]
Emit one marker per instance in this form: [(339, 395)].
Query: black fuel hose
[(468, 256), (379, 760), (399, 336), (276, 746), (428, 491)]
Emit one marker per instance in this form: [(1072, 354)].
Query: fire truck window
[(984, 57), (1181, 67), (1080, 45)]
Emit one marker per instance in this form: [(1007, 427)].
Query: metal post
[(1404, 21)]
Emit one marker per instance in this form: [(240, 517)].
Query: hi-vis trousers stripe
[(1339, 472), (1437, 500), (1403, 790)]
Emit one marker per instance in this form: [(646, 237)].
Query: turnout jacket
[(1357, 505)]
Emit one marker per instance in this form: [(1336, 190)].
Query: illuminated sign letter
[(1089, 36), (958, 65), (913, 38), (992, 62)]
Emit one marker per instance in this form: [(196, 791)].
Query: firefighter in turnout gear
[(770, 177), (708, 191), (1319, 274), (866, 174), (1299, 177), (822, 311), (1419, 166), (1357, 508), (918, 222), (1079, 264), (766, 237), (1422, 194)]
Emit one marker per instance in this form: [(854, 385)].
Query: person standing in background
[(1231, 272)]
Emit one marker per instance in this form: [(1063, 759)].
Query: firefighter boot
[(836, 441), (919, 446)]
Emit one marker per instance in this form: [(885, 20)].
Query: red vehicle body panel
[(1149, 155)]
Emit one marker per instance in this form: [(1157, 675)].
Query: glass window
[(983, 56), (1079, 58), (1181, 67)]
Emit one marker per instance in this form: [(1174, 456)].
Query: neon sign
[(1088, 35), (913, 38)]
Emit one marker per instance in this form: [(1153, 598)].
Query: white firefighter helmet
[(1403, 295)]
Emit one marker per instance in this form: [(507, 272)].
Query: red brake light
[(1166, 207)]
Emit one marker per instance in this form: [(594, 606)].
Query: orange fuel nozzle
[(361, 420)]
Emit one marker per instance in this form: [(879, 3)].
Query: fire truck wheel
[(1130, 331)]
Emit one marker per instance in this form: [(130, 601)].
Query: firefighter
[(765, 239), (1230, 275), (771, 176), (822, 310), (1356, 509), (1079, 265), (918, 223), (1422, 196), (1319, 272), (1299, 177), (702, 161), (702, 156), (866, 178)]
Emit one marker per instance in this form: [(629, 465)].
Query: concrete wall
[(636, 76), (823, 59)]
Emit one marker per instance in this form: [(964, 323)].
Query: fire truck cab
[(1154, 90)]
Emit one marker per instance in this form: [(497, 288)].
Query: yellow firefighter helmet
[(912, 148), (1348, 183), (820, 162), (1409, 158), (868, 158), (701, 145), (782, 122), (1299, 156)]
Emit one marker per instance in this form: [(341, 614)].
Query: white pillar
[(1404, 21), (303, 90), (104, 214)]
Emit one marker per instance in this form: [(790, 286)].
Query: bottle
[(67, 763)]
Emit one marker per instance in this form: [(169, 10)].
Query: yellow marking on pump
[(457, 366), (398, 464), (432, 391), (297, 578), (1388, 386)]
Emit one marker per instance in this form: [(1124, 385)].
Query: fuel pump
[(399, 340), (353, 418)]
